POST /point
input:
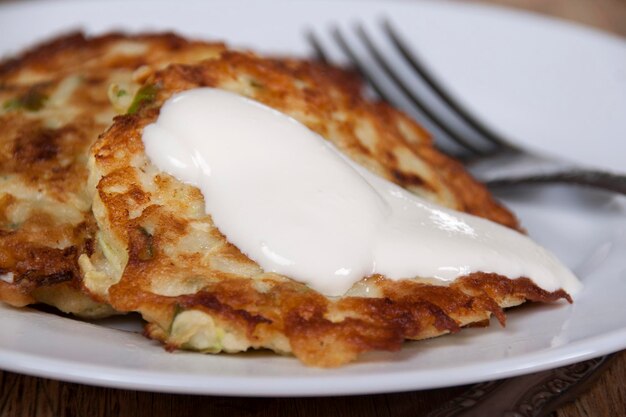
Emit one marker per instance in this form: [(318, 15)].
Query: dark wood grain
[(28, 396), (607, 397), (608, 15), (37, 397)]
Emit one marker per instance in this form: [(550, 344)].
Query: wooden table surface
[(22, 395)]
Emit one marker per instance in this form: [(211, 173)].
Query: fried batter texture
[(54, 102), (158, 253)]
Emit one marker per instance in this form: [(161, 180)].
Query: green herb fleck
[(12, 104), (146, 94), (147, 252), (121, 93), (32, 100), (256, 84), (177, 310)]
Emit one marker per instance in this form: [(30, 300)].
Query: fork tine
[(413, 97), (360, 67), (349, 52), (416, 63), (320, 55)]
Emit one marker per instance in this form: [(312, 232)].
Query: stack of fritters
[(150, 247), (54, 102)]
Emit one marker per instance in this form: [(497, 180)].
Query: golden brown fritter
[(54, 102), (158, 253)]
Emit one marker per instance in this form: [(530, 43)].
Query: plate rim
[(323, 384)]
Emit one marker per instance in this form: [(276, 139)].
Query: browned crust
[(73, 50), (474, 197), (52, 161), (35, 265), (42, 52), (49, 158), (328, 333)]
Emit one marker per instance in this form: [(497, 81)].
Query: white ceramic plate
[(586, 230)]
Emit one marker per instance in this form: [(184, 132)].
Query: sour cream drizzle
[(295, 205)]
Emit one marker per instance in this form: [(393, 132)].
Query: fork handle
[(596, 179)]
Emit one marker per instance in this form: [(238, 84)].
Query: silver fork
[(497, 161)]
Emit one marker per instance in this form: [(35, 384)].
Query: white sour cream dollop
[(295, 205)]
